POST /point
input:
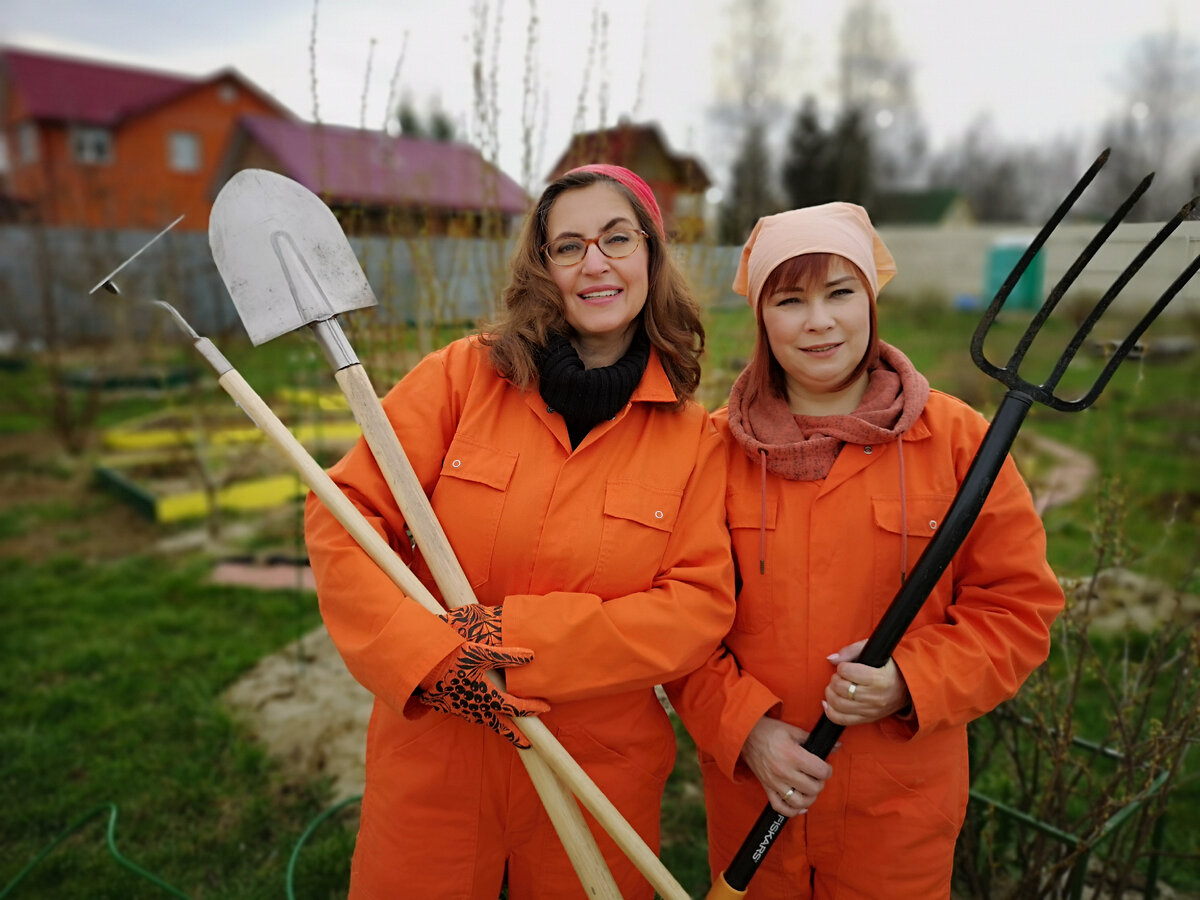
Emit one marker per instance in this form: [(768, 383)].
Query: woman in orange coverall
[(841, 462), (583, 492)]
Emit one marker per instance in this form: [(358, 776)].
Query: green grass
[(111, 688), (684, 843)]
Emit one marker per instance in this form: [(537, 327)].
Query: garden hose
[(111, 839), (312, 826), (111, 834)]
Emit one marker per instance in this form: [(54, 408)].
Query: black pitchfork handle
[(964, 510)]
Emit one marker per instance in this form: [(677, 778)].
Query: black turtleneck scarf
[(586, 397)]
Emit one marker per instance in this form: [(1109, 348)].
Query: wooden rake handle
[(435, 546)]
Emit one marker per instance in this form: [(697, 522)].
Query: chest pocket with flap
[(468, 500), (638, 521), (915, 523)]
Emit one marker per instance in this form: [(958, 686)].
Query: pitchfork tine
[(1014, 276), (1085, 327), (1073, 271), (1009, 374), (1123, 350)]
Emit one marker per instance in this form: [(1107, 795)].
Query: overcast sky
[(1039, 68)]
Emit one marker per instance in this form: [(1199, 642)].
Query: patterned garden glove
[(461, 688), (477, 623)]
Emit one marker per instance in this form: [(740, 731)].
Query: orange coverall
[(886, 822), (613, 566)]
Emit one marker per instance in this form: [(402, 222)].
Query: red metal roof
[(354, 165), (66, 89)]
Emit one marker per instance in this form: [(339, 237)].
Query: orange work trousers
[(864, 838), (448, 810)]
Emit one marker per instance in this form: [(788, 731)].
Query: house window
[(183, 151), (27, 142), (91, 146)]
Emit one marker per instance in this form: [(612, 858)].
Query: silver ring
[(789, 793), (850, 690)]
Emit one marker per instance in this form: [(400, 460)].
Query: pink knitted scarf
[(804, 448)]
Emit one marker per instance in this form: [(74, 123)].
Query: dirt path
[(308, 712)]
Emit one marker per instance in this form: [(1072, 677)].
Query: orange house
[(97, 145)]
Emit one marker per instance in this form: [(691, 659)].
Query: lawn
[(112, 681)]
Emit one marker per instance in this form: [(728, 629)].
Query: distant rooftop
[(68, 89), (355, 165)]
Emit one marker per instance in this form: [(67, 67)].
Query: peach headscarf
[(843, 229)]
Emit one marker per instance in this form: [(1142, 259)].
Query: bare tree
[(1156, 129), (875, 90), (986, 170), (748, 107)]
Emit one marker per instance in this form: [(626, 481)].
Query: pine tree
[(851, 145), (807, 171), (751, 194)]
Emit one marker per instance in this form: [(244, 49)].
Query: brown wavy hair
[(809, 268), (533, 306)]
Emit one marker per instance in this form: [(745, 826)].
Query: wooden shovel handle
[(447, 572), (563, 812), (406, 488)]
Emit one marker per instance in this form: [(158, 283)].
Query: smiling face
[(818, 333), (602, 297)]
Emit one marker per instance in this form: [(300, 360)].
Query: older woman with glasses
[(583, 491)]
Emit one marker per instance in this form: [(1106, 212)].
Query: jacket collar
[(654, 387)]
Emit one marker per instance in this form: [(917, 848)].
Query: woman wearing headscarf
[(842, 460), (582, 490)]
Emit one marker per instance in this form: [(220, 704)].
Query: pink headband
[(640, 189)]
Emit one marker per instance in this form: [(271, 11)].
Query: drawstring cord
[(903, 514), (762, 524)]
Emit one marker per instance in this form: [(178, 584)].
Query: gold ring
[(788, 794), (853, 687)]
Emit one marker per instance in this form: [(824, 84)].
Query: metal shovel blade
[(282, 255)]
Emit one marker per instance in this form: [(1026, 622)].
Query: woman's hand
[(791, 775), (857, 693)]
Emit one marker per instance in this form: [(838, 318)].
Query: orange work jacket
[(891, 811), (611, 560)]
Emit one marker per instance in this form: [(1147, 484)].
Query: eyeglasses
[(615, 244)]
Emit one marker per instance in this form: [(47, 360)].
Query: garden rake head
[(1044, 393)]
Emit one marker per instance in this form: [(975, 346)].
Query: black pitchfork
[(986, 464)]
